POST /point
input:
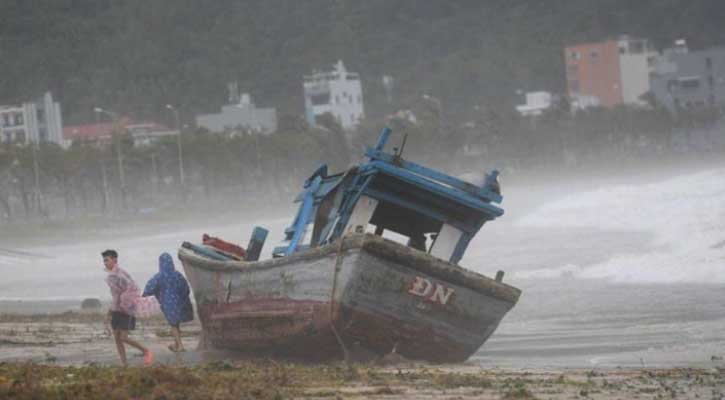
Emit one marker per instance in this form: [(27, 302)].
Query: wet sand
[(567, 338), (71, 355)]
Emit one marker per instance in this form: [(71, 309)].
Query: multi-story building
[(243, 114), (337, 92), (36, 121), (684, 79), (13, 125), (609, 73)]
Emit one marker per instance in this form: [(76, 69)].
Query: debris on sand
[(274, 380)]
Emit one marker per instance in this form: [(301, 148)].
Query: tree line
[(244, 170), (135, 56), (44, 181)]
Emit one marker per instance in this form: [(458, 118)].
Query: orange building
[(608, 73), (592, 74)]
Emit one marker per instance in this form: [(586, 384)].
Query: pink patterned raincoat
[(127, 297)]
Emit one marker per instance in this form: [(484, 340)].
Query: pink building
[(608, 73)]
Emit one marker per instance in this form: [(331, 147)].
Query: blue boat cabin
[(433, 212)]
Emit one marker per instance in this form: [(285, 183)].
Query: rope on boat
[(338, 266)]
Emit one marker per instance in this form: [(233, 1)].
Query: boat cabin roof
[(390, 194)]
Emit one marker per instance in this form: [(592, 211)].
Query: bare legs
[(119, 346), (178, 344), (121, 337)]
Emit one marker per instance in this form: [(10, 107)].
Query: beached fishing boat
[(369, 266)]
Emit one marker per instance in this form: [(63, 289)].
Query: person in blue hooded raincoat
[(172, 291)]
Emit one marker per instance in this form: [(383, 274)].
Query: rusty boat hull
[(360, 296)]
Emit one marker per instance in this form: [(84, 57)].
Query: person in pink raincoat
[(127, 303)]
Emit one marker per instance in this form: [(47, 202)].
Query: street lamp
[(178, 143), (119, 155), (439, 110), (97, 113)]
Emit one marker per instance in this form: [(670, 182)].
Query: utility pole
[(439, 110), (155, 176), (104, 176), (119, 155), (121, 173), (38, 196), (180, 151)]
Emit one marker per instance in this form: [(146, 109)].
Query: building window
[(574, 86), (711, 81), (594, 55), (689, 83), (671, 84), (319, 99), (574, 55), (708, 63), (650, 61), (636, 47), (19, 119), (359, 99)]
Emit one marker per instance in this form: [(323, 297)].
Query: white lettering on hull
[(433, 292)]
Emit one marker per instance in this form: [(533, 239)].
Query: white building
[(689, 80), (536, 104), (38, 121), (609, 73), (243, 114), (636, 62), (337, 92)]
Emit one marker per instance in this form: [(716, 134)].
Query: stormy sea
[(620, 271)]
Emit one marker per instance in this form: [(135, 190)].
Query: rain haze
[(137, 126)]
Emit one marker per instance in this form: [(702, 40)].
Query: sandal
[(176, 349), (148, 358)]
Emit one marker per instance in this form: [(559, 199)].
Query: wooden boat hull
[(361, 295)]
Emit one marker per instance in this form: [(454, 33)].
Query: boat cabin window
[(404, 225)]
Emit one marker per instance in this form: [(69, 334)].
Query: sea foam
[(685, 215)]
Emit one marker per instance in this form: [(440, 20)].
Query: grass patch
[(453, 380), (518, 393)]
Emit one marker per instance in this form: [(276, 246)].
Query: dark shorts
[(122, 321)]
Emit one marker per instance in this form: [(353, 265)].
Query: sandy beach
[(607, 310), (71, 355)]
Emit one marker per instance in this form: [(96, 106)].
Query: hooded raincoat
[(172, 292)]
